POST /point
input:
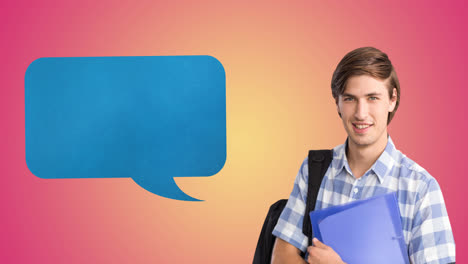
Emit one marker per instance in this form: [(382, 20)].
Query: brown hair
[(366, 61)]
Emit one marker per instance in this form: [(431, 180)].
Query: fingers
[(321, 253), (315, 254), (315, 251), (319, 244)]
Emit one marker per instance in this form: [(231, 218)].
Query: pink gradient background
[(279, 58)]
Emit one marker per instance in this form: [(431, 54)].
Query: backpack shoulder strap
[(318, 163)]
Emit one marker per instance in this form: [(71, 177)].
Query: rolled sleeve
[(289, 226)]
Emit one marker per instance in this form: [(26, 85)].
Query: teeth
[(362, 126)]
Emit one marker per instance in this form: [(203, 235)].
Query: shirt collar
[(381, 167), (340, 161)]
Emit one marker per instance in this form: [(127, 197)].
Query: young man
[(367, 94)]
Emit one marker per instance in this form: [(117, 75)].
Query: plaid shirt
[(426, 226)]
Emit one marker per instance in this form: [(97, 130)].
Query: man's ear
[(393, 100), (337, 107)]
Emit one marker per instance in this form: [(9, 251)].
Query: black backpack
[(319, 160)]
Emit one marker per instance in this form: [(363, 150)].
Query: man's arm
[(290, 239), (285, 253)]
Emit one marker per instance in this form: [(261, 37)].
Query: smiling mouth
[(362, 126)]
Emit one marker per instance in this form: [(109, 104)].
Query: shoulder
[(336, 155), (414, 178)]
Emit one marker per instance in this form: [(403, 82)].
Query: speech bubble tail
[(163, 186)]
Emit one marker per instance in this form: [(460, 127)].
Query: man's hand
[(322, 254)]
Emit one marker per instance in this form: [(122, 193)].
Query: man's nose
[(362, 110)]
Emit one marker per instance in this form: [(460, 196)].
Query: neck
[(361, 158)]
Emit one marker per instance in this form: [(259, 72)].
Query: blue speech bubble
[(148, 118)]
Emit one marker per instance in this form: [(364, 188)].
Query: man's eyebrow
[(348, 95), (373, 94), (353, 96)]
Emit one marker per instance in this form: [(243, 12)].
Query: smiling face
[(364, 107)]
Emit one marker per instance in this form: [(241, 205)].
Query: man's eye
[(347, 99), (373, 98)]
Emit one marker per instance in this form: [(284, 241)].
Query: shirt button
[(356, 190)]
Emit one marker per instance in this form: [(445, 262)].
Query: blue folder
[(364, 231)]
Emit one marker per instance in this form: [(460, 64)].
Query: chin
[(357, 140)]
